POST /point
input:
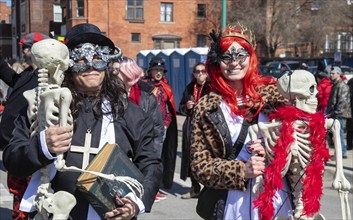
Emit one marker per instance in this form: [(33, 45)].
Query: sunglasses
[(199, 71)]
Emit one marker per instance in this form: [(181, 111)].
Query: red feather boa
[(312, 182)]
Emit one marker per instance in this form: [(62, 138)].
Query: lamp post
[(224, 14)]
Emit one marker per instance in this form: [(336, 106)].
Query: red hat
[(29, 39)]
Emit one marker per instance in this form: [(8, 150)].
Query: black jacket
[(338, 105), (133, 133), (185, 159), (26, 80), (149, 104)]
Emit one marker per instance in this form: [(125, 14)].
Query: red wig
[(251, 80)]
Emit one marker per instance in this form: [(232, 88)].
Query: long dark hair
[(113, 90)]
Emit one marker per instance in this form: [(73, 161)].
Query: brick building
[(34, 16), (5, 30), (5, 13), (136, 25)]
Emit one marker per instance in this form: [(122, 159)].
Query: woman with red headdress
[(223, 158)]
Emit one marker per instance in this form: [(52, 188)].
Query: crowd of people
[(116, 101)]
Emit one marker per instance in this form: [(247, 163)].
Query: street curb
[(348, 171)]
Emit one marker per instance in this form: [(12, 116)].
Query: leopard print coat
[(211, 143)]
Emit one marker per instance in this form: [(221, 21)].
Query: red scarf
[(135, 94), (312, 182), (168, 90)]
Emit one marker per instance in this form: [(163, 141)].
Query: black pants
[(195, 186)]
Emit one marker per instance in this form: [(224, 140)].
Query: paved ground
[(176, 208)]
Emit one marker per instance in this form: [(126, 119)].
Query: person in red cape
[(324, 87), (165, 98)]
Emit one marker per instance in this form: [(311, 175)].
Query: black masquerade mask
[(88, 55)]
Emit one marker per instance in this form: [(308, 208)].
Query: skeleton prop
[(49, 104), (295, 146)]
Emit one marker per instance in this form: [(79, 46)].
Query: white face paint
[(300, 89)]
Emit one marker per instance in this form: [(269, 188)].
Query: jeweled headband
[(88, 52)]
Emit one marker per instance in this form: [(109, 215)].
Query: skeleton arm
[(340, 182)]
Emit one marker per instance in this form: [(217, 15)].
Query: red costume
[(324, 88)]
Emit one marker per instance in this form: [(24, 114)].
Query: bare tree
[(291, 22)]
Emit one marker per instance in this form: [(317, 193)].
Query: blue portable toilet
[(141, 58), (177, 65)]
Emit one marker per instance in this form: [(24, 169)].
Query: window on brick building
[(166, 41), (80, 8), (23, 15), (166, 12), (136, 37), (69, 9), (201, 40), (134, 10), (57, 13), (201, 10), (288, 53)]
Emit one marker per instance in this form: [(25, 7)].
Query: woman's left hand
[(256, 164), (127, 210)]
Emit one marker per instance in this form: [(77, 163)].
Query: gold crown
[(243, 32)]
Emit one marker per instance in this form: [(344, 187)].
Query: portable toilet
[(177, 65), (141, 58)]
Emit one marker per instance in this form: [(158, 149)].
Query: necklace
[(197, 92), (87, 148)]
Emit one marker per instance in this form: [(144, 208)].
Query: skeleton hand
[(127, 209), (58, 139)]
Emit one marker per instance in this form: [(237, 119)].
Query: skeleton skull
[(299, 87), (53, 56)]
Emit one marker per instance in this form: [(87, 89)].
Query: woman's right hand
[(58, 139), (256, 164), (190, 104)]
